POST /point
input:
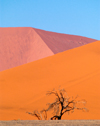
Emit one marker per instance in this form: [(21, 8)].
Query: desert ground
[(51, 123), (77, 70)]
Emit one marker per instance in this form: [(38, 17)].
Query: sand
[(22, 45), (51, 123), (23, 88), (58, 42)]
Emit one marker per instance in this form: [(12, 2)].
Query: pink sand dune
[(19, 46), (58, 42)]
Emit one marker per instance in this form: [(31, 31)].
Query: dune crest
[(23, 88), (19, 46)]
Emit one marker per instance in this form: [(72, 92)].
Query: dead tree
[(63, 104), (60, 106)]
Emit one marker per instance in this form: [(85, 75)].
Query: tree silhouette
[(40, 115), (63, 104), (60, 106)]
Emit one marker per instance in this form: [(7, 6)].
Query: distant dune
[(19, 46), (23, 88)]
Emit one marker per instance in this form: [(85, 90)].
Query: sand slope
[(58, 42), (19, 46), (77, 70)]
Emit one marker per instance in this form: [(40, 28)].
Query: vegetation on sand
[(60, 106)]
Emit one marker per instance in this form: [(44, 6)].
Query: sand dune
[(19, 46), (61, 42), (23, 88)]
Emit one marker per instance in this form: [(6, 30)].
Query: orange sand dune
[(77, 70), (19, 46)]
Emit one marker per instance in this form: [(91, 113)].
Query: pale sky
[(77, 17)]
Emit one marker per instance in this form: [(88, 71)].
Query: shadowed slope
[(23, 88), (58, 42), (19, 46)]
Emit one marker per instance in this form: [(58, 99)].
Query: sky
[(76, 17)]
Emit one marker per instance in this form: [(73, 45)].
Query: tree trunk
[(59, 117), (56, 118)]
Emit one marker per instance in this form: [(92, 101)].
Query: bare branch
[(53, 92), (36, 114), (45, 113), (51, 105)]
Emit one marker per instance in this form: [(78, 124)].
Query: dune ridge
[(22, 45), (23, 88), (58, 42)]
